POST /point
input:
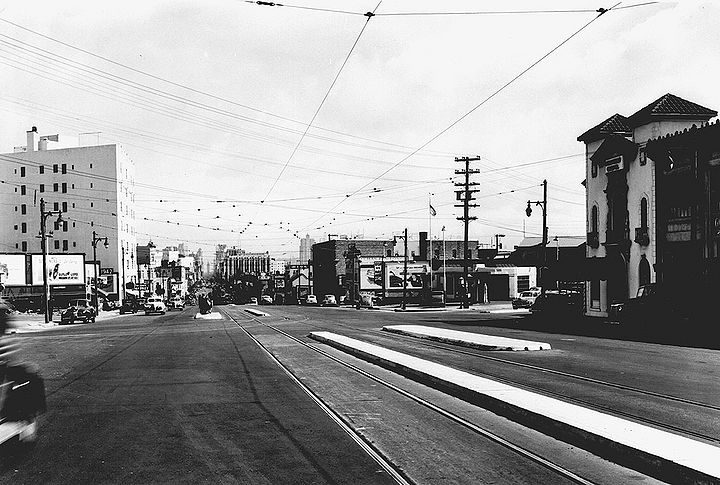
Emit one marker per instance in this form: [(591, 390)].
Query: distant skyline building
[(306, 244), (94, 187)]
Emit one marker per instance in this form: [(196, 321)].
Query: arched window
[(644, 271), (643, 213), (594, 219)]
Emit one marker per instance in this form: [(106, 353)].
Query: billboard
[(370, 277), (394, 275), (12, 269), (63, 269)]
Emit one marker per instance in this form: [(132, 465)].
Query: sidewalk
[(35, 322), (497, 307)]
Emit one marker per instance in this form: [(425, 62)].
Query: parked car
[(78, 310), (266, 300), (130, 306), (176, 303), (311, 300), (555, 303), (155, 304), (329, 300), (525, 299)]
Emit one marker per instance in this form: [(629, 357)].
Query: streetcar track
[(582, 402), (447, 414)]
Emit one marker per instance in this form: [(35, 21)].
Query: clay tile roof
[(617, 123), (671, 106)]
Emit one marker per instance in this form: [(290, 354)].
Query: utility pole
[(528, 212), (465, 195), (405, 272), (43, 246), (96, 239)]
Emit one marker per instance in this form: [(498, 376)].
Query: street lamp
[(528, 212), (96, 239), (43, 245)]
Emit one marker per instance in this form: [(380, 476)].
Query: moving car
[(176, 303), (130, 306), (526, 298), (311, 300), (154, 304), (329, 300), (266, 300), (78, 310)]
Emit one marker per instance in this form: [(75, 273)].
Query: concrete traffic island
[(466, 339), (208, 316), (257, 313), (666, 456)]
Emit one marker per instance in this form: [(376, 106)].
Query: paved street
[(137, 399)]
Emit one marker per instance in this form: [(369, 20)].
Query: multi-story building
[(622, 198), (235, 261), (306, 244), (277, 266), (94, 187)]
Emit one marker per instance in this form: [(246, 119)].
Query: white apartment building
[(94, 187)]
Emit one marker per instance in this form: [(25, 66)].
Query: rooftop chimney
[(32, 139)]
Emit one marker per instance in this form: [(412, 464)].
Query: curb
[(644, 462), (257, 313)]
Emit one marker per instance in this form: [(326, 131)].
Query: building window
[(42, 169), (593, 169), (65, 226), (644, 271), (64, 168), (24, 246), (56, 225), (23, 209), (23, 227), (523, 283), (91, 185), (454, 253), (55, 168), (64, 188), (643, 213), (55, 187), (595, 294), (64, 206), (16, 227), (91, 165), (42, 187), (65, 245), (57, 244), (56, 206), (594, 219), (91, 204), (22, 171), (22, 190), (74, 244), (643, 157)]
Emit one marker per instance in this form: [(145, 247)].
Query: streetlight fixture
[(96, 239), (43, 245), (528, 212)]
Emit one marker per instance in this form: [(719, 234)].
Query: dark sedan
[(78, 310)]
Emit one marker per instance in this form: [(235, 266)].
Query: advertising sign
[(62, 269), (395, 272), (108, 283), (90, 269), (12, 269), (370, 277)]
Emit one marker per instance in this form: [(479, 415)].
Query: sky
[(265, 123)]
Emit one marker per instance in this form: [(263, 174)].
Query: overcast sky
[(212, 99)]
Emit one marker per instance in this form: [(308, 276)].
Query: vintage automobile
[(78, 310), (176, 303), (311, 300), (329, 300), (155, 304), (130, 306), (526, 298), (558, 303), (266, 300)]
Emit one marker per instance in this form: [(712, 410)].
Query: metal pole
[(382, 270), (94, 245), (444, 266), (123, 274), (43, 247), (405, 269), (430, 243), (545, 232)]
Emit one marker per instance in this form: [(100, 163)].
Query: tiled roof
[(617, 123), (671, 106)]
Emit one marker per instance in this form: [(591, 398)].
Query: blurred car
[(266, 300), (154, 304), (525, 299), (78, 310), (329, 300), (311, 300), (130, 306), (554, 303), (253, 300), (176, 303)]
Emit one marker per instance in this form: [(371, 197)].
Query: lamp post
[(43, 245), (96, 239), (528, 212), (382, 269)]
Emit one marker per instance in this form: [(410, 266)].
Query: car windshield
[(527, 294)]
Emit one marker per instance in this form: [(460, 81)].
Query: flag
[(433, 212)]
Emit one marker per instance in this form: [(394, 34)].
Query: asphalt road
[(170, 399)]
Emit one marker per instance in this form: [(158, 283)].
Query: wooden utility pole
[(466, 196)]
